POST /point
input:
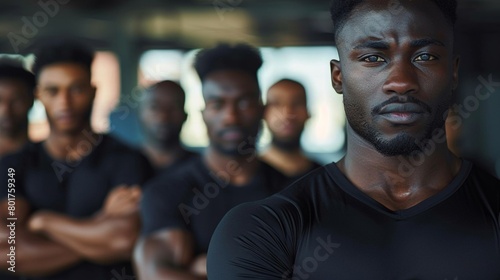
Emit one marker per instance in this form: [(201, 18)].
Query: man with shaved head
[(286, 115), (162, 116)]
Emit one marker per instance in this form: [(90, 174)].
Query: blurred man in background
[(76, 193), (16, 98), (286, 115), (162, 115), (180, 211)]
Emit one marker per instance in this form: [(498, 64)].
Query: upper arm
[(164, 248), (252, 242)]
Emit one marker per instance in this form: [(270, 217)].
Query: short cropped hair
[(14, 70), (63, 51), (241, 57), (340, 10), (291, 81), (174, 84)]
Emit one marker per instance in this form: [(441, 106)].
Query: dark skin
[(232, 115), (49, 242), (401, 60), (15, 101), (162, 116), (286, 114)]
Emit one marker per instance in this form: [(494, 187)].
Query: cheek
[(271, 115)]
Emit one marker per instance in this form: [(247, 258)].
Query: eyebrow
[(381, 45), (373, 45), (426, 42)]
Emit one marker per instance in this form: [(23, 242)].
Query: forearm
[(100, 239), (163, 272), (152, 261), (36, 255)]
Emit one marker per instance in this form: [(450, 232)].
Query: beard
[(165, 136), (245, 147), (287, 145), (404, 143)]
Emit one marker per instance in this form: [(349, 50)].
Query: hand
[(199, 265), (122, 200), (38, 220)]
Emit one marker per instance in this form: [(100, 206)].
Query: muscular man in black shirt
[(399, 205), (16, 99), (181, 210), (162, 116), (77, 214)]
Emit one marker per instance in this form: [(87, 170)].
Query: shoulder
[(298, 200), (117, 151), (277, 180), (29, 152), (486, 182), (189, 173)]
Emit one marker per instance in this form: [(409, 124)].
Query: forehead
[(230, 83), (8, 85), (63, 72), (164, 95), (286, 91), (405, 20)]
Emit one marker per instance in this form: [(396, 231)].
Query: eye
[(425, 57), (77, 89), (244, 104), (373, 58), (51, 91), (214, 105)]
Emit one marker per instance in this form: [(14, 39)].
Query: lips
[(402, 108), (402, 113), (65, 117), (231, 134)]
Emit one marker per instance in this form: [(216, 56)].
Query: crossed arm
[(48, 242), (168, 254)]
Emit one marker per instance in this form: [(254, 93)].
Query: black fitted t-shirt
[(323, 227), (77, 189), (195, 199)]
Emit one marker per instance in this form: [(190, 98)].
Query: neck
[(236, 170), (297, 150), (161, 156), (12, 143), (398, 182), (72, 146), (291, 146), (290, 163), (168, 146)]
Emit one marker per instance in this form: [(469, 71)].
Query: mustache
[(223, 131), (401, 99)]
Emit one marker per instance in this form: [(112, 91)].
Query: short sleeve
[(161, 204), (251, 242), (11, 175)]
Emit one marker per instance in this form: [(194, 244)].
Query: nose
[(402, 79), (63, 100), (231, 116)]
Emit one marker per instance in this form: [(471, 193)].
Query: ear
[(456, 66), (203, 115), (93, 90), (336, 72), (36, 92)]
